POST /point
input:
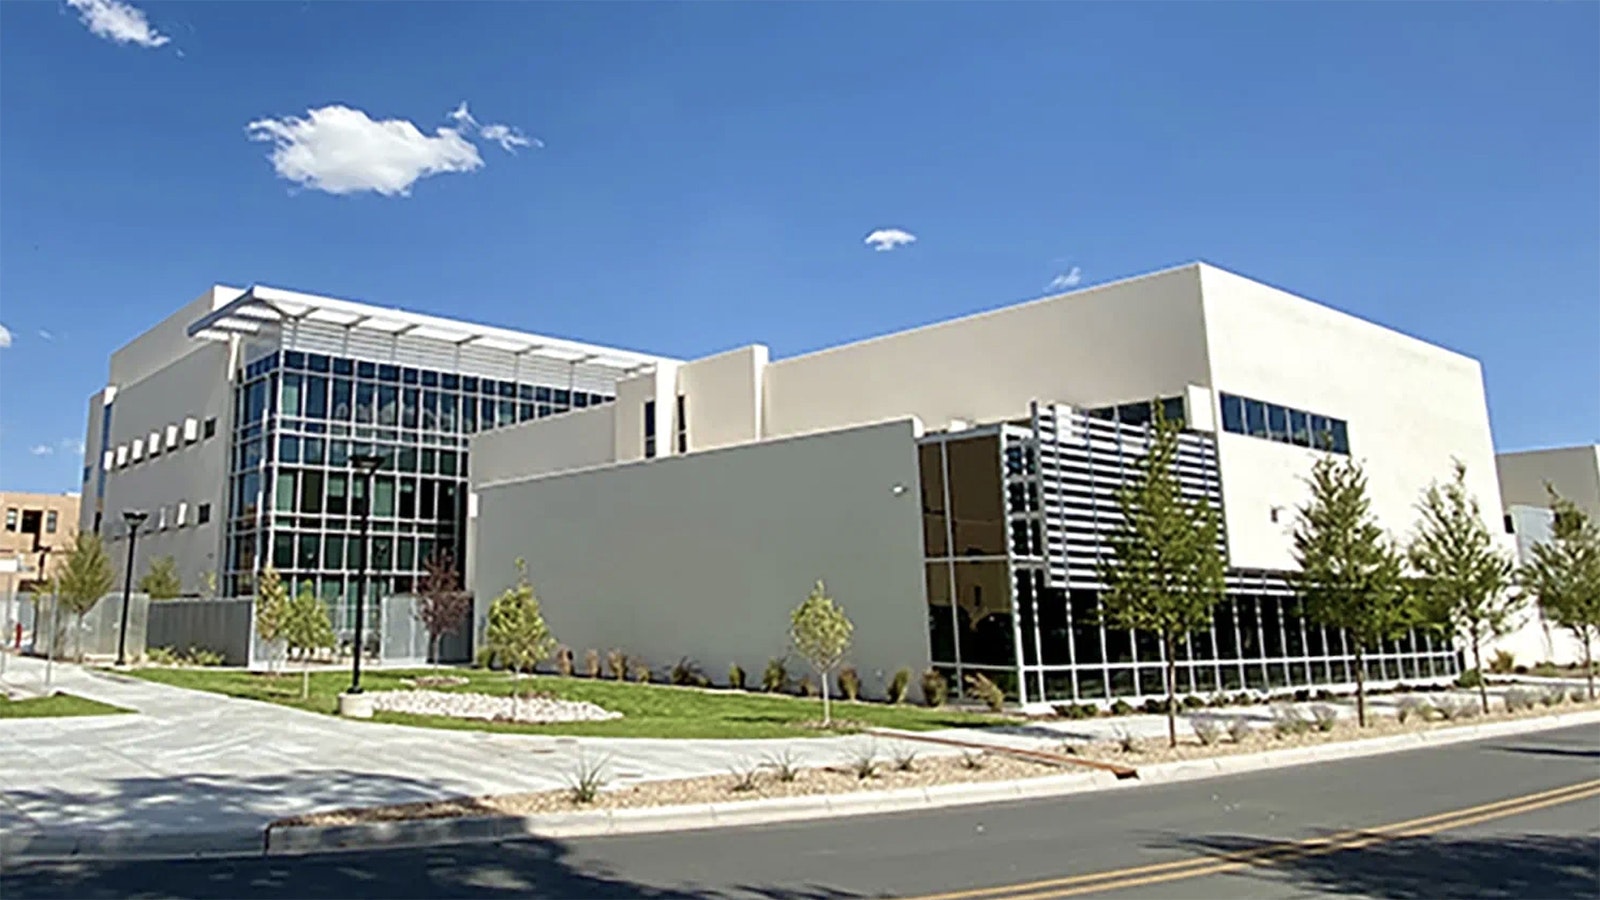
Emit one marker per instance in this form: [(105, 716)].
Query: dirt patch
[(925, 772)]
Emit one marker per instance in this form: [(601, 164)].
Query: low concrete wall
[(221, 626)]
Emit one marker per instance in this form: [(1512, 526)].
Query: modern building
[(39, 528), (1574, 472), (232, 423), (953, 485)]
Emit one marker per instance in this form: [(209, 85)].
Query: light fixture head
[(134, 517), (367, 462)]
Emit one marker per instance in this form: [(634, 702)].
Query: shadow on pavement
[(1426, 867), (1552, 751), (526, 868)]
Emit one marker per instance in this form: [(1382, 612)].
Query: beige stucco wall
[(571, 440), (723, 397), (704, 555), (1128, 340), (1412, 408), (1573, 471)]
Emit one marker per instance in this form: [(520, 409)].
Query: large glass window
[(383, 496), (1278, 423), (983, 601), (341, 399), (941, 622), (977, 509), (931, 467), (316, 397), (291, 394)]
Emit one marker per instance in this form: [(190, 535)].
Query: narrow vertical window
[(649, 429), (683, 425)]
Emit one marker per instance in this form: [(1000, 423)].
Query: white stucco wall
[(704, 555), (723, 397), (1573, 471), (1411, 406)]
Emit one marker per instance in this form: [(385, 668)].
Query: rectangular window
[(210, 430), (338, 494), (50, 522), (285, 501), (383, 497), (1299, 428), (1321, 436), (202, 514), (1255, 418), (316, 397), (11, 520), (365, 395), (341, 399), (1232, 414), (388, 405), (1134, 414), (291, 395), (1172, 408), (649, 429), (1277, 424), (683, 425), (1341, 437)]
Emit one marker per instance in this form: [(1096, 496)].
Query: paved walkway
[(191, 760)]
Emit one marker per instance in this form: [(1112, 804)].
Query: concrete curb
[(297, 840)]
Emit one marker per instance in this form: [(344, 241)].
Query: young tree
[(161, 581), (306, 628), (1165, 571), (820, 632), (1563, 577), (442, 607), (517, 634), (86, 576), (1350, 571), (1462, 581), (272, 610)]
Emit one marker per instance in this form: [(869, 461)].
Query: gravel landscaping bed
[(461, 705), (925, 771)]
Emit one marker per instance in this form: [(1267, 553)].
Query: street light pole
[(365, 464), (134, 518)]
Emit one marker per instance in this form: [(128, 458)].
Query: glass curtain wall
[(295, 501)]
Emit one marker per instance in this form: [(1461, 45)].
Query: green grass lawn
[(54, 705), (648, 710)]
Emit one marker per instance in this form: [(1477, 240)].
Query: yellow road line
[(1167, 870)]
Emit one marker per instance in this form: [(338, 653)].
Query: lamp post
[(365, 464), (134, 518)]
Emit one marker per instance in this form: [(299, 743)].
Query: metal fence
[(223, 625), (57, 631)]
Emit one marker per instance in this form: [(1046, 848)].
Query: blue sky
[(701, 176)]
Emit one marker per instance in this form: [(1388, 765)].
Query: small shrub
[(1125, 740), (1323, 695), (641, 671), (1577, 696), (987, 691), (745, 778), (1503, 663), (1155, 706), (587, 780), (905, 758), (850, 683), (564, 661), (591, 663), (1552, 696), (1302, 695), (617, 664), (1070, 747), (865, 763), (1207, 731), (1218, 701), (900, 685), (1075, 710), (935, 689), (1450, 709), (974, 759), (1244, 698), (1239, 729), (200, 656), (1325, 717), (783, 765), (775, 679), (483, 659), (162, 656), (1413, 707), (1287, 721), (736, 677), (1471, 678), (1545, 669), (1517, 700), (1193, 702), (1121, 708), (1520, 670), (686, 673), (808, 688)]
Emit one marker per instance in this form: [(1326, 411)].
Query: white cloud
[(41, 450), (5, 337), (119, 22), (463, 118), (344, 151), (889, 238), (71, 445), (1065, 279), (46, 335), (506, 136)]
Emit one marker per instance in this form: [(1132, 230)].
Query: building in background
[(1574, 472), (232, 423), (39, 530), (954, 483)]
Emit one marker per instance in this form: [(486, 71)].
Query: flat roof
[(259, 305)]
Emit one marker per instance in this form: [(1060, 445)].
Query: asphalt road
[(1508, 817)]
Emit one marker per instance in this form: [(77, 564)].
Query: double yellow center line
[(1156, 873)]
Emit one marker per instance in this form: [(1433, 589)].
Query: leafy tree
[(517, 634), (1563, 577), (1349, 569), (820, 632), (161, 580), (442, 607), (1462, 580), (1165, 571), (272, 608), (85, 577), (305, 628)]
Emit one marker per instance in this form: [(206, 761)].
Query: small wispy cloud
[(71, 445), (1069, 278), (41, 449), (5, 337), (118, 22), (885, 239), (508, 137), (46, 335)]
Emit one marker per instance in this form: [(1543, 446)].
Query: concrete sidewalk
[(192, 761)]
